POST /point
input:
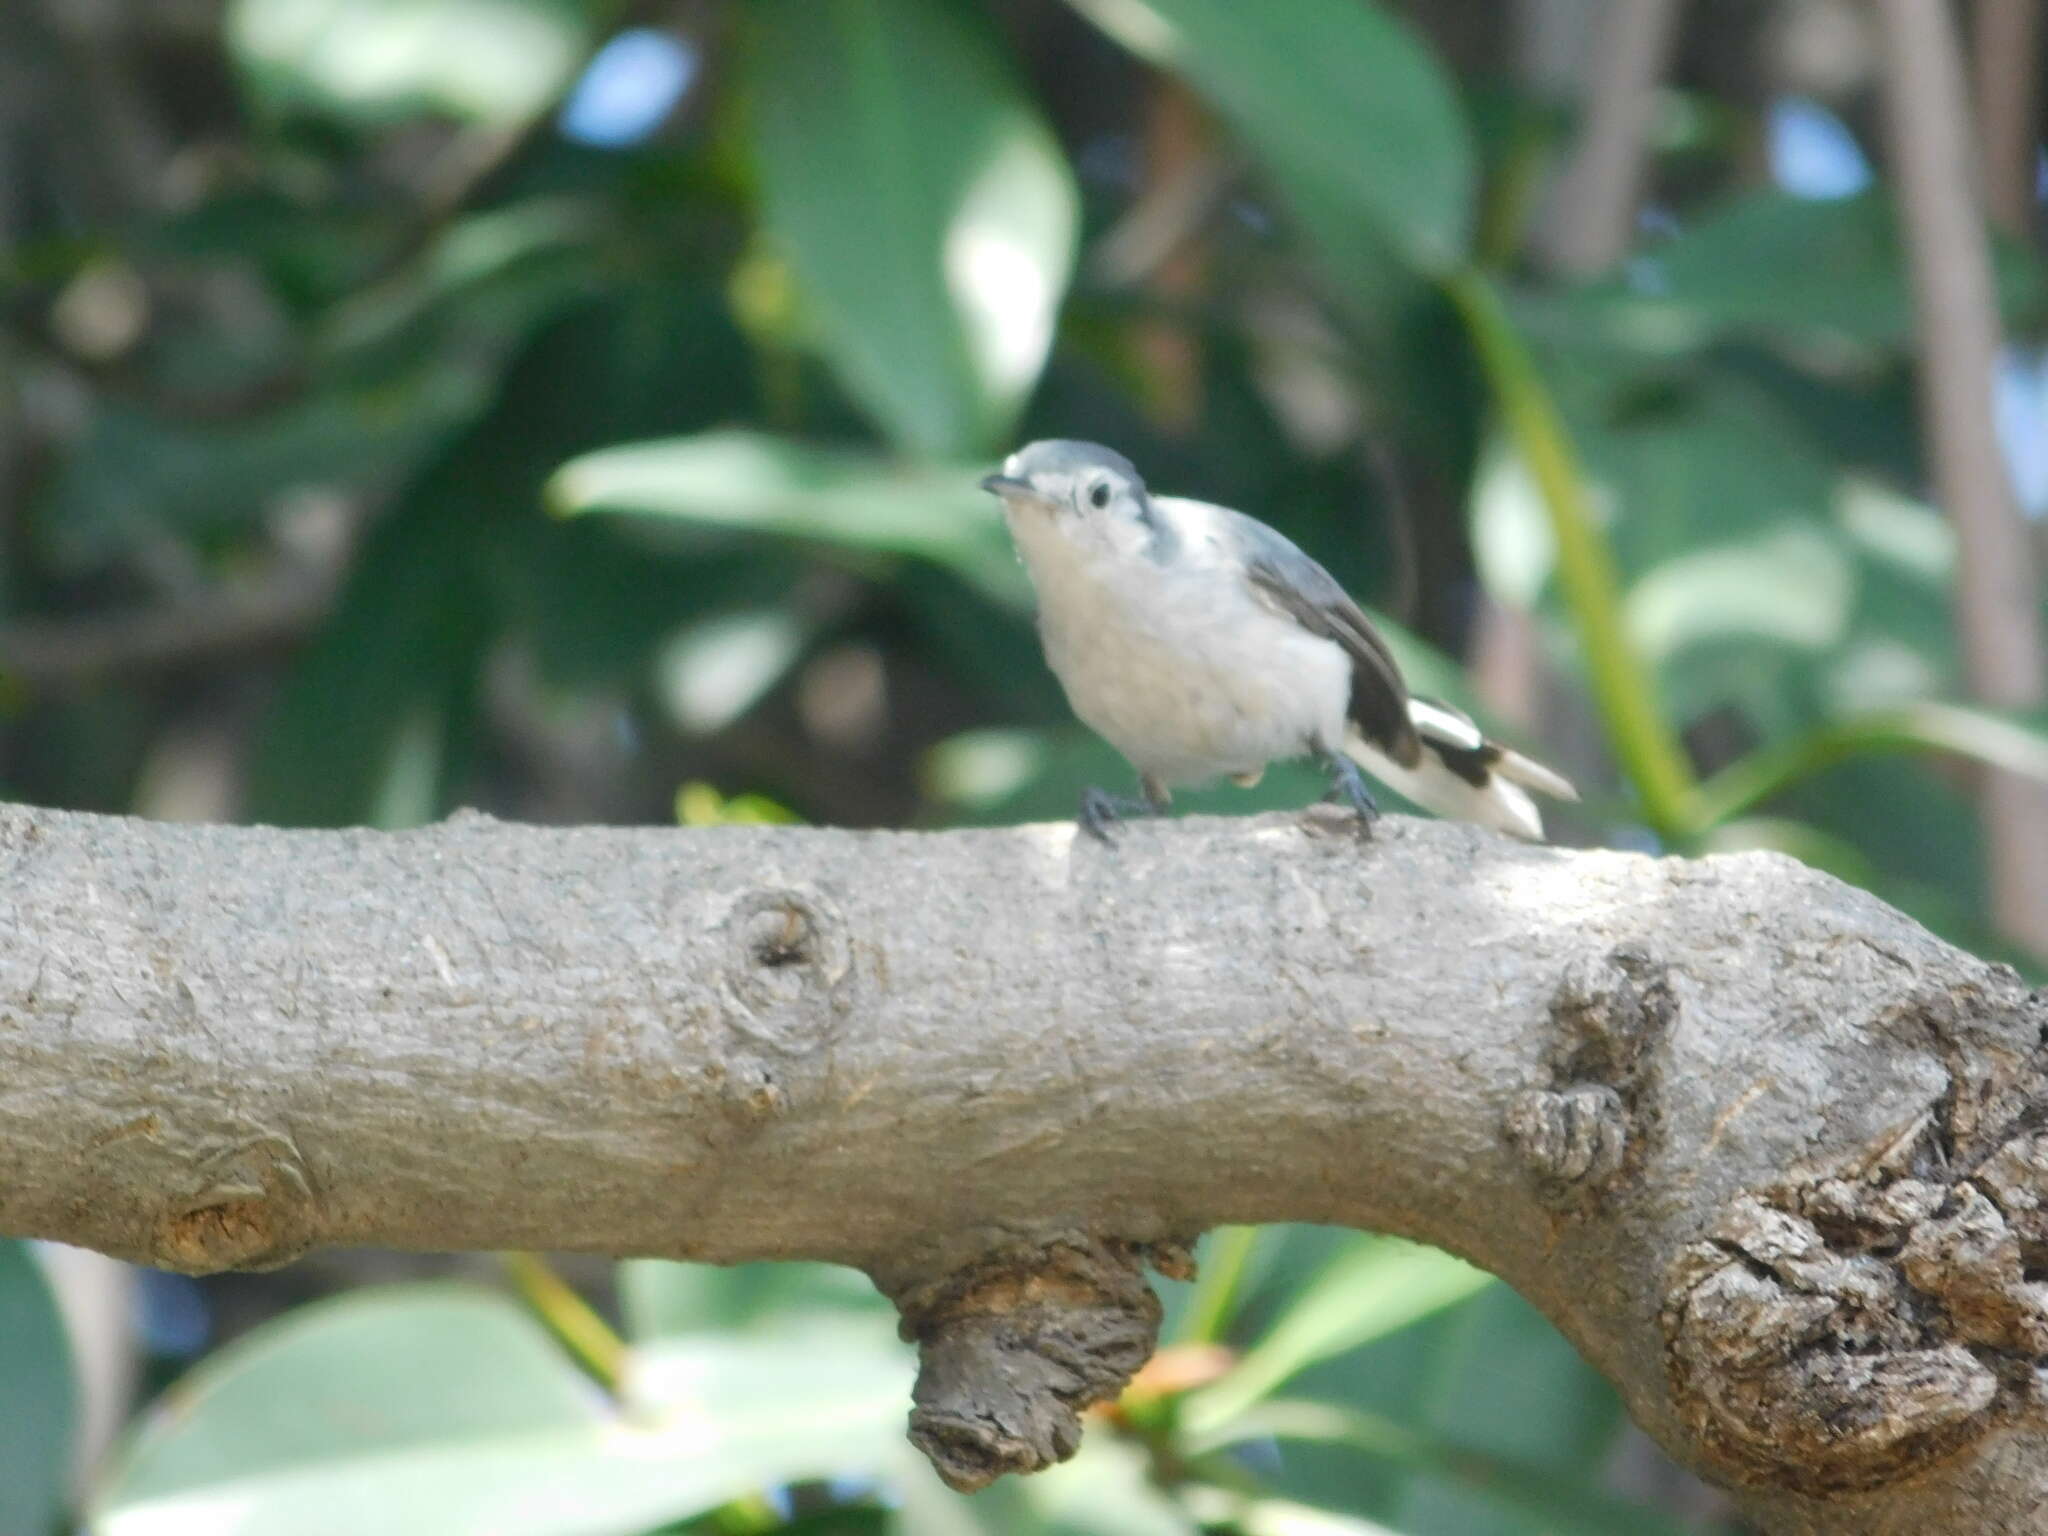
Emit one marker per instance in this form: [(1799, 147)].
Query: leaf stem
[(570, 1318), (1623, 687), (1922, 727)]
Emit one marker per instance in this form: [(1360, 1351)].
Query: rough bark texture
[(1771, 1155)]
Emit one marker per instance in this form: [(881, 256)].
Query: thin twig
[(46, 653)]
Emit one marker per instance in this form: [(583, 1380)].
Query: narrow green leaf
[(2016, 743), (1374, 1287), (1217, 1286), (1344, 104), (37, 1398), (751, 483), (1623, 685), (926, 210)]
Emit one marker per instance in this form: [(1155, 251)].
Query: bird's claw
[(1347, 787), (1099, 808)]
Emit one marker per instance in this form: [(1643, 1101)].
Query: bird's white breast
[(1179, 666)]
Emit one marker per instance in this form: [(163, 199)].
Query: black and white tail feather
[(1458, 772)]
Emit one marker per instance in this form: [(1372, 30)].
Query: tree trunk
[(1765, 1150)]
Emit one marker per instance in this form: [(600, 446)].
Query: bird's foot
[(1099, 808), (1347, 787)]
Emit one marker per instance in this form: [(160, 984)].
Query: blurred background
[(571, 408)]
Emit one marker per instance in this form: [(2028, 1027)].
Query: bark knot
[(788, 972), (1592, 1124), (249, 1206), (1840, 1332), (1014, 1348), (239, 1234)]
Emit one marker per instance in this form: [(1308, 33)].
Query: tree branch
[(1592, 224), (1764, 1149), (2008, 57), (1997, 593)]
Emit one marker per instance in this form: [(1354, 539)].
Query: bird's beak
[(1007, 486)]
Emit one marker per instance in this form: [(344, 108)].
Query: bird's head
[(1089, 495)]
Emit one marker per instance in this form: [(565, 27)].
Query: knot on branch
[(1842, 1333), (253, 1209), (1013, 1349), (788, 969), (1589, 1127)]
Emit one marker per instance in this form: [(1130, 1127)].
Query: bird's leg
[(1099, 807), (1347, 784)]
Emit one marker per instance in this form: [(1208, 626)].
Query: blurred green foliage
[(38, 1403), (403, 404)]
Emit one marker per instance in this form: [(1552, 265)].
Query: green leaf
[(747, 482), (136, 477), (1343, 103), (380, 1371), (1787, 267), (2018, 743), (926, 210), (429, 1409), (1280, 1517), (1530, 1486), (1374, 1287), (1512, 1393), (1105, 1489), (371, 726), (494, 62), (661, 1299), (848, 1372), (37, 1398), (1793, 587)]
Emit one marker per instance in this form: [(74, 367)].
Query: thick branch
[(1762, 1147)]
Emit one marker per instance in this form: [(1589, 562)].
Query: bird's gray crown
[(1067, 456)]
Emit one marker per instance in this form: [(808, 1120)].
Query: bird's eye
[(1098, 495)]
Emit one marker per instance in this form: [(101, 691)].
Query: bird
[(1202, 645)]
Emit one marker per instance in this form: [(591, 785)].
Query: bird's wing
[(1291, 583)]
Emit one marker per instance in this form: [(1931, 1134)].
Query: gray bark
[(1765, 1150)]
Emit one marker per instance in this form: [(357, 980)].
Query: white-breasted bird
[(1202, 644)]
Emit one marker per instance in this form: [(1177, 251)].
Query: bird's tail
[(1464, 775)]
